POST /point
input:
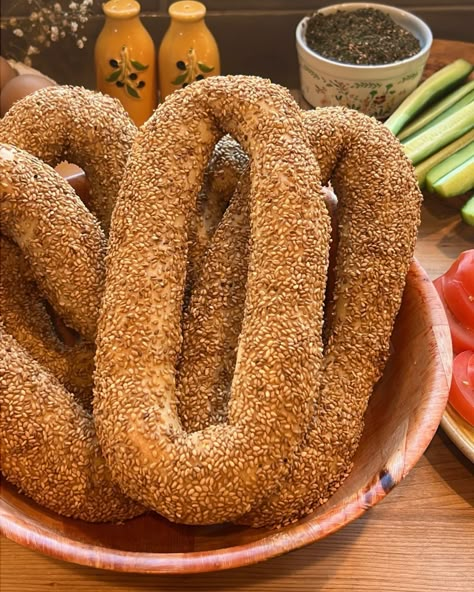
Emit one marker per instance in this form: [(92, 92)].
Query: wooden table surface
[(418, 539)]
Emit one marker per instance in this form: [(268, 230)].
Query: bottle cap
[(121, 9), (187, 10)]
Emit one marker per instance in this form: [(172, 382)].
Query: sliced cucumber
[(445, 167), (438, 84), (467, 211), (457, 181), (437, 136), (453, 102), (421, 169)]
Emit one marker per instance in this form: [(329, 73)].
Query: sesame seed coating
[(218, 473), (212, 324), (61, 240), (232, 409), (378, 217), (48, 447), (213, 321), (34, 332), (47, 438), (226, 166), (85, 127), (26, 318)]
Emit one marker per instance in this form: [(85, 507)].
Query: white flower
[(48, 22)]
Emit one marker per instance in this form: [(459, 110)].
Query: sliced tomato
[(460, 302), (463, 270), (461, 395), (470, 371), (462, 337)]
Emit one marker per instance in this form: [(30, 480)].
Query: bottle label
[(126, 73), (190, 69)]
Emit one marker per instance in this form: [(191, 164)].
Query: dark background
[(254, 37)]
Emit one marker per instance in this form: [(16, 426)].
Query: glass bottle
[(188, 51), (125, 59)]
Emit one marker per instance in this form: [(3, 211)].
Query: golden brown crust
[(217, 473), (252, 425), (78, 125), (378, 217), (26, 318), (48, 446), (61, 240), (213, 321), (226, 165)]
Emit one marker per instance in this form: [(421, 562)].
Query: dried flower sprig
[(47, 23)]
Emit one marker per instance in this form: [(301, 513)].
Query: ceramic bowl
[(374, 90), (402, 417)]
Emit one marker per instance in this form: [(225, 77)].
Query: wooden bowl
[(402, 418)]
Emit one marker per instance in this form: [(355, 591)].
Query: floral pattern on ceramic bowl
[(374, 90)]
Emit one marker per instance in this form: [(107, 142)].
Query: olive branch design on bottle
[(191, 69), (125, 73)]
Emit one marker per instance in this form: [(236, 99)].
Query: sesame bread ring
[(218, 473), (78, 125), (61, 240), (48, 446), (378, 216), (26, 318), (351, 366)]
